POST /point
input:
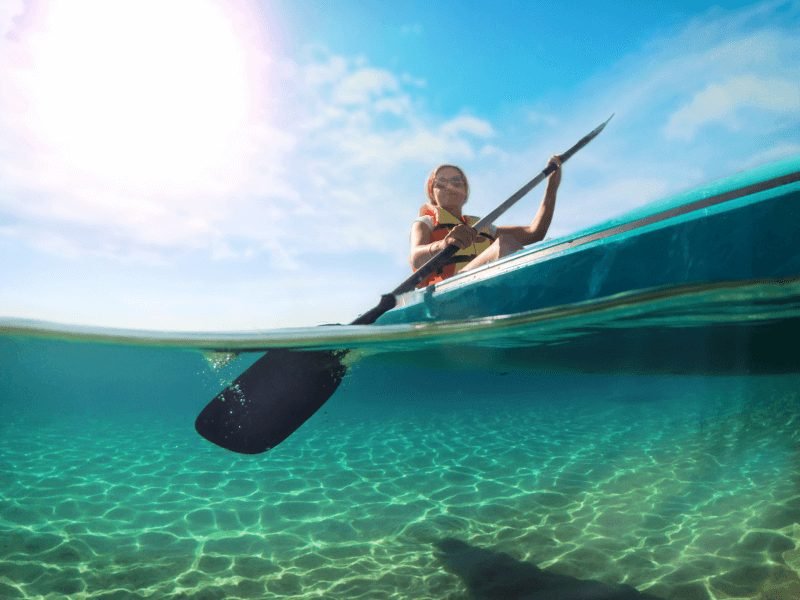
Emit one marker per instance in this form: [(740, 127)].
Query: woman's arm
[(537, 229), (422, 249), (420, 245)]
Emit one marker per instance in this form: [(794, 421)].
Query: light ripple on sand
[(684, 502)]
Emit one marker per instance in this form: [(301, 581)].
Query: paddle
[(283, 388)]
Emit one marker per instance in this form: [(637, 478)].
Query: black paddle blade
[(271, 399)]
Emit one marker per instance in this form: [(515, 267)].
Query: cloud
[(469, 125), (723, 102), (537, 117), (364, 85), (329, 70)]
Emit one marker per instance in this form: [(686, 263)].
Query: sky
[(238, 165)]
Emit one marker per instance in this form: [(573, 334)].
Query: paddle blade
[(271, 399)]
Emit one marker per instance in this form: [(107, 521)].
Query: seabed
[(668, 487)]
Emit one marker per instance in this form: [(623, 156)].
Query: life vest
[(443, 222)]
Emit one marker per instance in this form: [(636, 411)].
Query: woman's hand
[(461, 235), (555, 176)]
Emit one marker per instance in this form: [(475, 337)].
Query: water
[(646, 446)]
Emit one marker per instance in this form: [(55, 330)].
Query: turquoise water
[(646, 446)]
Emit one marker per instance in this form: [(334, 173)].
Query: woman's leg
[(502, 246)]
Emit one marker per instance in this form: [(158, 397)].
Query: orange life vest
[(443, 222)]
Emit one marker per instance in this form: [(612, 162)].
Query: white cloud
[(396, 106), (469, 125), (722, 102), (490, 150), (330, 70), (537, 117), (413, 81), (364, 85)]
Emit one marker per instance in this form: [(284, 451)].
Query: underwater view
[(645, 446)]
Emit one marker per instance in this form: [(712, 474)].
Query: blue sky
[(206, 165)]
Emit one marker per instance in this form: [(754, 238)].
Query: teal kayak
[(741, 228)]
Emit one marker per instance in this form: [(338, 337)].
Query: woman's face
[(450, 189)]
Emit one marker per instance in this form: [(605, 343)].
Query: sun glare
[(140, 92)]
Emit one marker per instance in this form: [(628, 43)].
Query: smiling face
[(450, 189)]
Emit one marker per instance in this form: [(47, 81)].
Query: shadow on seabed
[(492, 575)]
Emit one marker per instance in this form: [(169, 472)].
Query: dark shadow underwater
[(490, 575)]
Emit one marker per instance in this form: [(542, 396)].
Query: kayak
[(740, 228)]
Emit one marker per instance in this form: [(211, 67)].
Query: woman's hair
[(434, 173)]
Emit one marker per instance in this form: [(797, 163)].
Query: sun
[(140, 92)]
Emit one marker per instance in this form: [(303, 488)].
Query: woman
[(442, 223)]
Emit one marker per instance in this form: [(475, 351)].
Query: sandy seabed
[(613, 499)]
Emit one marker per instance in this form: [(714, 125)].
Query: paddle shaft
[(389, 301)]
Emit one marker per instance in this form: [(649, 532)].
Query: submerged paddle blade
[(271, 399)]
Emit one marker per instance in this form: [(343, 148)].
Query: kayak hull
[(741, 228)]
